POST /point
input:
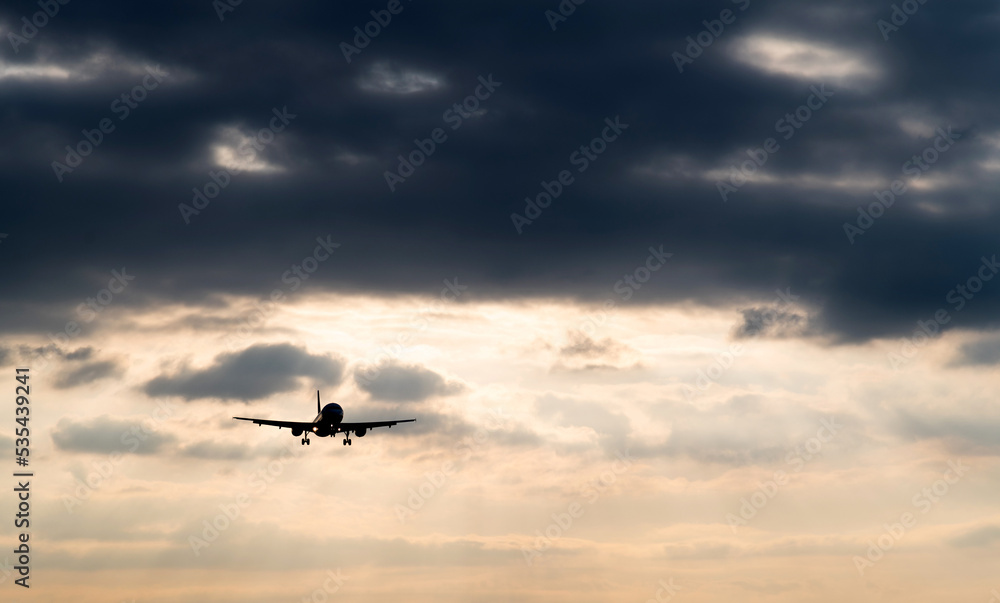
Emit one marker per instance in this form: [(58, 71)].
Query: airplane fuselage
[(328, 419)]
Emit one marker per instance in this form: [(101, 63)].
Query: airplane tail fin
[(317, 401)]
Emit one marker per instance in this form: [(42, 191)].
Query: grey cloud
[(973, 435), (583, 345), (70, 372), (254, 373), (208, 449), (747, 430), (516, 436), (404, 383), (979, 537), (985, 352), (769, 323), (106, 435), (88, 373), (584, 353), (51, 349), (80, 354)]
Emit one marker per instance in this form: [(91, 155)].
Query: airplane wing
[(305, 426), (370, 425)]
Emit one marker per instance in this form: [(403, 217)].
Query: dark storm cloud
[(985, 352), (768, 322), (107, 435), (452, 217), (404, 383), (254, 373)]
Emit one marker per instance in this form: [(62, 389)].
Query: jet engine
[(360, 432), (296, 432)]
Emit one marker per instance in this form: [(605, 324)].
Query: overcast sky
[(691, 301)]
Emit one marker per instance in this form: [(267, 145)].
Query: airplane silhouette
[(328, 423)]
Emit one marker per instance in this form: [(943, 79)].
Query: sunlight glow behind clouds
[(386, 79), (694, 459), (101, 64), (235, 151), (810, 61), (33, 72)]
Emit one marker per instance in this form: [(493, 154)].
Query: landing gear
[(347, 441), (305, 441)]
